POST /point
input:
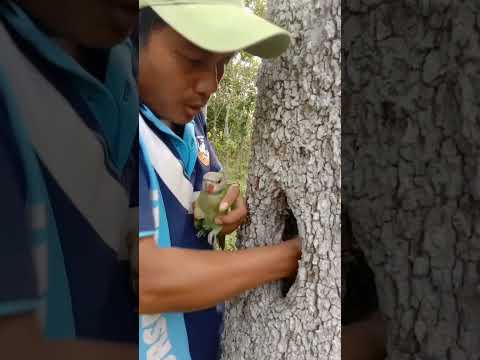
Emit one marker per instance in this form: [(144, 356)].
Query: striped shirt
[(170, 174), (68, 151)]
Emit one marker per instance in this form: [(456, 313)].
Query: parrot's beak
[(210, 189)]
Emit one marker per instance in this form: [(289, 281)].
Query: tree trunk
[(295, 168), (411, 168)]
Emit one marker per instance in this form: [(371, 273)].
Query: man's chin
[(190, 113), (107, 32), (184, 121), (180, 120)]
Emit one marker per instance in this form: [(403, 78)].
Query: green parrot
[(206, 207)]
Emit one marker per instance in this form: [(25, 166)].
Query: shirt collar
[(186, 146)]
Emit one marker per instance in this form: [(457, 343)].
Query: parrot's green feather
[(207, 207), (209, 203)]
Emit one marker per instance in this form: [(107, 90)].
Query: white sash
[(167, 166)]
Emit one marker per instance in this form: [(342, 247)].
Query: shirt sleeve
[(18, 289)]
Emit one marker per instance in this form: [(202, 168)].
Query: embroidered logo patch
[(203, 153)]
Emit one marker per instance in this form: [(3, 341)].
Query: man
[(184, 47), (68, 105)]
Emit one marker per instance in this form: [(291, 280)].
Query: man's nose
[(207, 82)]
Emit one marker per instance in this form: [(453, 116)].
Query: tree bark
[(295, 168), (411, 168)]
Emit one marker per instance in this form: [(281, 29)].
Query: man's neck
[(177, 129), (168, 123), (93, 61), (75, 51)]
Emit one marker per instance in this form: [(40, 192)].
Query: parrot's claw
[(211, 237)]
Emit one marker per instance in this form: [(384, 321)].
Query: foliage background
[(230, 113)]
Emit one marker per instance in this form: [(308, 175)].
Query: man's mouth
[(193, 110), (197, 107)]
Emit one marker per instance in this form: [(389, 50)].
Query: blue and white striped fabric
[(170, 175), (73, 180)]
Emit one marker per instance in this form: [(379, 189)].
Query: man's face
[(89, 23), (176, 78)]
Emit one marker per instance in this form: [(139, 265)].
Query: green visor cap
[(222, 26)]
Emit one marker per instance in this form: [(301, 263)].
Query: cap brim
[(225, 29)]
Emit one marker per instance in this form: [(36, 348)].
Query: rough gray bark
[(411, 167), (295, 165)]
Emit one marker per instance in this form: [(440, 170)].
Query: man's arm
[(21, 338), (180, 280)]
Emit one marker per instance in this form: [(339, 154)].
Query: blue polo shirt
[(171, 170), (68, 154)]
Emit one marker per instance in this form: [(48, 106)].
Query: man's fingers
[(228, 229), (230, 197), (236, 216)]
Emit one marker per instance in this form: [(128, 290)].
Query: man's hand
[(296, 244), (237, 216)]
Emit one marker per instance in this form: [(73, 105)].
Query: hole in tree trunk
[(360, 298), (290, 231)]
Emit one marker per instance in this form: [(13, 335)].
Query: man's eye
[(196, 61)]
